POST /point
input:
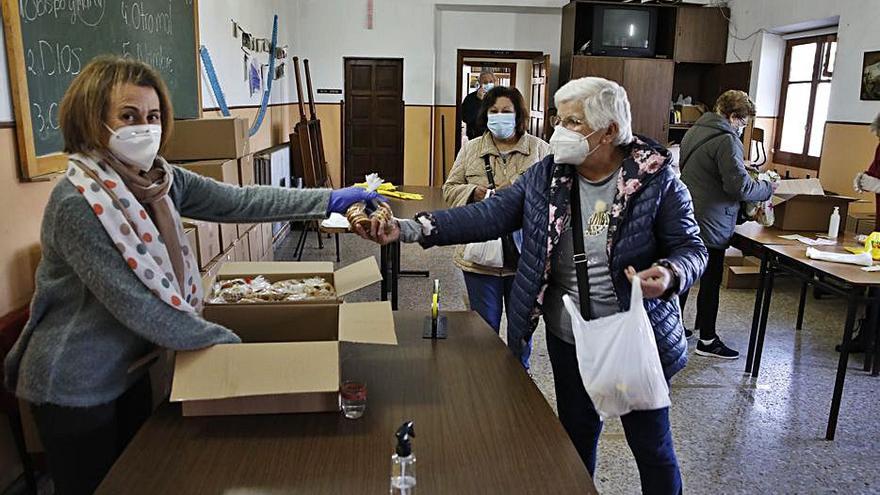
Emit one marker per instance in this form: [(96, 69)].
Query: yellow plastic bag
[(872, 245)]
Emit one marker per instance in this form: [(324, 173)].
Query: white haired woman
[(869, 180), (638, 217)]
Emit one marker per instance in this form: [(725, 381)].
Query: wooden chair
[(11, 326)]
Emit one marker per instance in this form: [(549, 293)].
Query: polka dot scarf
[(135, 234)]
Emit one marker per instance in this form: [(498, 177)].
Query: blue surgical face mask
[(502, 125), (488, 86)]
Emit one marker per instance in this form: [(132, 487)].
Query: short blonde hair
[(84, 109), (734, 102), (603, 102)]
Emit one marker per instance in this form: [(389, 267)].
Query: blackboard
[(49, 41)]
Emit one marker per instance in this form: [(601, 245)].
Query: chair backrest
[(11, 326)]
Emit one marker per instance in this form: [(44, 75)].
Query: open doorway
[(524, 70)]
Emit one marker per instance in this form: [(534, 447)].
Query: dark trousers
[(82, 443), (710, 293), (648, 433), (488, 296)]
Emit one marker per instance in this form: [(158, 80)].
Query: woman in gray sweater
[(117, 278)]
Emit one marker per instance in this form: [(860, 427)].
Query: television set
[(624, 31)]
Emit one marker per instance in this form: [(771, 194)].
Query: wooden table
[(848, 281), (481, 427), (753, 240)]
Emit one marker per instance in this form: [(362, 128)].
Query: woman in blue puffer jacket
[(636, 216)]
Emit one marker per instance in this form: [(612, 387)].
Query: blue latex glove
[(341, 199)]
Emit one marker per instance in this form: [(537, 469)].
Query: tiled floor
[(733, 434)]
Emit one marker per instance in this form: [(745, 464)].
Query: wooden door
[(539, 124), (648, 84), (701, 35), (373, 119)]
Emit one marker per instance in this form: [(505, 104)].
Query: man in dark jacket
[(470, 107), (646, 224), (712, 168)]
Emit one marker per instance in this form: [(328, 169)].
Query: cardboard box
[(860, 223), (282, 366), (733, 257), (268, 241), (802, 204), (255, 236), (345, 280), (225, 171), (246, 170), (228, 235), (208, 240), (269, 256), (208, 139), (209, 274), (228, 256), (193, 241), (690, 113), (742, 277), (242, 249)]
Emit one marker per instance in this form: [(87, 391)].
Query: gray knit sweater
[(91, 317)]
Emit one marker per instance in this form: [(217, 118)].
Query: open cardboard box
[(802, 204), (345, 280), (288, 361)]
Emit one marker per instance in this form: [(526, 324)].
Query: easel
[(307, 155)]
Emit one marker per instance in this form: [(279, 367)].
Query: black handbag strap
[(580, 256), (699, 144), (489, 174)]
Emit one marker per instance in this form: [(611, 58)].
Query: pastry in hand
[(357, 215)]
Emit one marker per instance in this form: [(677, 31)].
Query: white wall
[(332, 29), (215, 32), (858, 32), (501, 29)]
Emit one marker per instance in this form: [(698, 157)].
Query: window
[(803, 107)]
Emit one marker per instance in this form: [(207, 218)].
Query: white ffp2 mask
[(136, 145), (569, 146)]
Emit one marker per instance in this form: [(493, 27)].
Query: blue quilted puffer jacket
[(652, 221)]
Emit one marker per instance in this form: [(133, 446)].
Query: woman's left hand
[(655, 280), (341, 199)]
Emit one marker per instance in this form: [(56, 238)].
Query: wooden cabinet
[(648, 84), (701, 35)]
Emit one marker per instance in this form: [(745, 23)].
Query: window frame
[(820, 75)]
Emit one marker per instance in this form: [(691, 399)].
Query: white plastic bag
[(489, 253), (618, 359)]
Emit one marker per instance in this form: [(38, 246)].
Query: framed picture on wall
[(871, 76)]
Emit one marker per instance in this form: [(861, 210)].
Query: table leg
[(869, 330), (876, 368), (336, 241), (756, 313), (801, 306), (762, 326), (852, 306), (318, 234), (383, 266), (395, 273)]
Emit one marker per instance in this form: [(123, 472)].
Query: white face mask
[(136, 145), (570, 146)]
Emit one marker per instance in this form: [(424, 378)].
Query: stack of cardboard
[(218, 148), (860, 223)]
